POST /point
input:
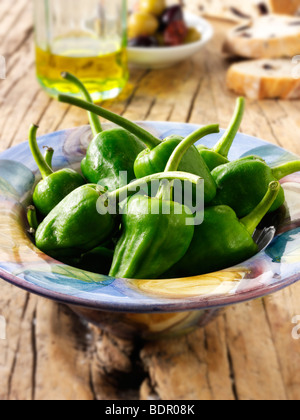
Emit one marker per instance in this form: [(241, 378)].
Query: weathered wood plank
[(256, 370), (281, 309), (16, 349)]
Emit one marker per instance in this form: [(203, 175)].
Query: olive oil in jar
[(100, 64), (86, 38)]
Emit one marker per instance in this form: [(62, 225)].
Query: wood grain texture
[(247, 353)]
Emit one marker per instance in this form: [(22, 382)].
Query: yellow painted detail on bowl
[(218, 283)]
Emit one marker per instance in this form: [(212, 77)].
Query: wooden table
[(247, 353)]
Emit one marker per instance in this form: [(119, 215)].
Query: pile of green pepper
[(71, 218)]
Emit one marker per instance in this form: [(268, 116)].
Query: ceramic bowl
[(162, 57), (149, 308)]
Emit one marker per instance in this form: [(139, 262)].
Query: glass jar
[(87, 38)]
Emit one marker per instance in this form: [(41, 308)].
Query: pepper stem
[(48, 156), (36, 153), (150, 141), (287, 169), (187, 143), (255, 217), (32, 217), (169, 176), (224, 145), (94, 120), (180, 151)]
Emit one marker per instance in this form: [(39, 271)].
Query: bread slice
[(233, 10), (265, 79), (271, 36), (241, 11)]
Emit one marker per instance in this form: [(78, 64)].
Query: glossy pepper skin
[(153, 239), (110, 152), (156, 157), (223, 240), (242, 184), (74, 226), (55, 186), (82, 222), (219, 154), (151, 243)]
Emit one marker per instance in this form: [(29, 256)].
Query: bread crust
[(288, 7), (249, 79), (281, 38), (241, 11)]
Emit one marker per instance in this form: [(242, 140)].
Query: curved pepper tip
[(274, 186)]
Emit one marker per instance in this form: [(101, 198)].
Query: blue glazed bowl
[(148, 308)]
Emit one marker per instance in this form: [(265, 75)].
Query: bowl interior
[(22, 264)]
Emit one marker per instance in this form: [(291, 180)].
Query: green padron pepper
[(242, 184), (151, 242), (74, 226), (82, 222), (111, 154), (219, 154), (153, 239), (223, 240), (155, 158), (55, 186)]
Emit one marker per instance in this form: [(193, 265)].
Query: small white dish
[(162, 57)]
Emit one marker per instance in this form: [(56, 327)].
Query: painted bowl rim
[(139, 301)]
